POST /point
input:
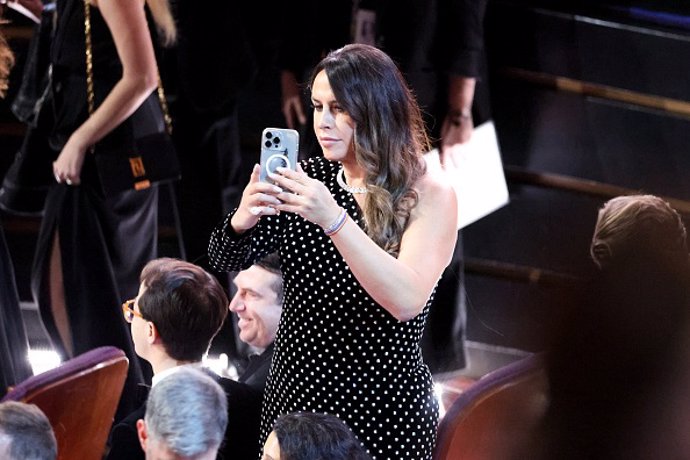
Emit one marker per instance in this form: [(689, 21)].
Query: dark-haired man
[(179, 309)]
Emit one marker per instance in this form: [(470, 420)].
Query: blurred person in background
[(620, 348)]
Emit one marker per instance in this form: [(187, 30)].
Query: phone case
[(279, 147)]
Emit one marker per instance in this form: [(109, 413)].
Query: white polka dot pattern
[(336, 350)]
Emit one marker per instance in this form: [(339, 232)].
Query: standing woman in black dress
[(91, 248), (363, 234)]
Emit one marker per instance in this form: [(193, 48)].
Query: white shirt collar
[(163, 374)]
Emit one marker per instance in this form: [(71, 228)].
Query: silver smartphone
[(279, 147)]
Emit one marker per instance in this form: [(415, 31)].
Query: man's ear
[(152, 334), (142, 434)]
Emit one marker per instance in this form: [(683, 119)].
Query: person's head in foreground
[(312, 436), (186, 417), (25, 433)]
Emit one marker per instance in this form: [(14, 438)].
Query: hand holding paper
[(476, 172)]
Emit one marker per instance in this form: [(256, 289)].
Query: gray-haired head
[(187, 412), (25, 433)]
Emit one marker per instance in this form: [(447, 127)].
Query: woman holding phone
[(363, 234)]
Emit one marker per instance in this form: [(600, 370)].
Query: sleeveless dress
[(104, 242), (336, 351)]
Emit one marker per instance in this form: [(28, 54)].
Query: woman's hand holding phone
[(258, 199), (305, 196)]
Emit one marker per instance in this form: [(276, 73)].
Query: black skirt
[(104, 244)]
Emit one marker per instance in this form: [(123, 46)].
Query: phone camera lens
[(269, 135), (268, 144), (276, 141)]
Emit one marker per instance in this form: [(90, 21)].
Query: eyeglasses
[(129, 312)]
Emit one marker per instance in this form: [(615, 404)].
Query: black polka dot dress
[(337, 351)]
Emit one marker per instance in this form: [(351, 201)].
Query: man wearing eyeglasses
[(179, 309)]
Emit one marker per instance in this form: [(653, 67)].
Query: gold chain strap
[(89, 57), (90, 94)]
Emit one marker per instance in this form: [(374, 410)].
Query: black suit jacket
[(256, 372), (241, 436)]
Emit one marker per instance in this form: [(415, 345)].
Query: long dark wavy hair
[(389, 137)]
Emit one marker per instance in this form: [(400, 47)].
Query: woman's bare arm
[(401, 285), (127, 23)]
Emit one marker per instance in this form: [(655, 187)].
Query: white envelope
[(476, 172)]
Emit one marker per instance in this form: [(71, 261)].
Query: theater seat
[(494, 418), (79, 398)]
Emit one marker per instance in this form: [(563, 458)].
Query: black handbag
[(140, 155), (152, 160)]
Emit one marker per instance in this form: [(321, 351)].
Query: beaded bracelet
[(337, 224)]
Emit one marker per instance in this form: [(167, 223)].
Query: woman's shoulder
[(434, 186), (436, 201)]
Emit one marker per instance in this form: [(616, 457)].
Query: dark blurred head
[(313, 436)]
